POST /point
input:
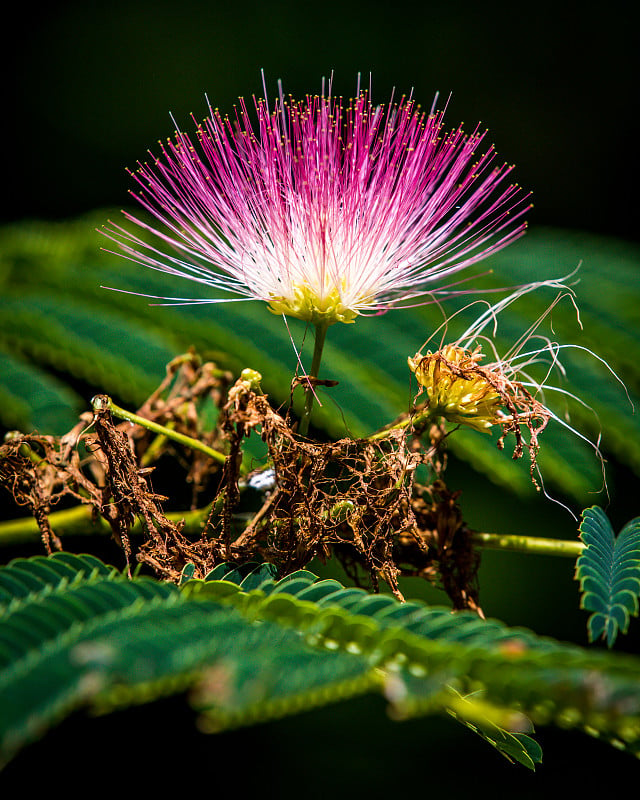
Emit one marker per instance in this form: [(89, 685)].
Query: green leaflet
[(609, 574), (57, 317), (24, 577), (514, 746)]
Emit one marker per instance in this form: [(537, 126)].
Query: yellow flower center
[(307, 305)]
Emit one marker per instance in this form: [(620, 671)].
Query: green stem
[(187, 441), (26, 452), (79, 521), (418, 419), (321, 333), (528, 544)]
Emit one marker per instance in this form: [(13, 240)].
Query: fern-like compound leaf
[(425, 655), (252, 646), (75, 633), (609, 573)]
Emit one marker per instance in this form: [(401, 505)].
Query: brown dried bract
[(127, 496)]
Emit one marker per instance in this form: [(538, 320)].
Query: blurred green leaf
[(75, 633), (30, 398)]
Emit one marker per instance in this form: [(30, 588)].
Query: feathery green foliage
[(74, 633), (32, 399), (609, 574), (56, 316)]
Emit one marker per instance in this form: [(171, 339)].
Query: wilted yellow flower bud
[(458, 388), (251, 376)]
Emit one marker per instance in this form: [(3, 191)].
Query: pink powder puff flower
[(323, 209)]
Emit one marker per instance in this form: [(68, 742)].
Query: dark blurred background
[(89, 87)]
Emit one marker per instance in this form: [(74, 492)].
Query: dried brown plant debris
[(105, 466), (39, 471), (186, 401), (445, 555), (353, 498), (127, 496)]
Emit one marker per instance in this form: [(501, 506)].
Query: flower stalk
[(320, 336)]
